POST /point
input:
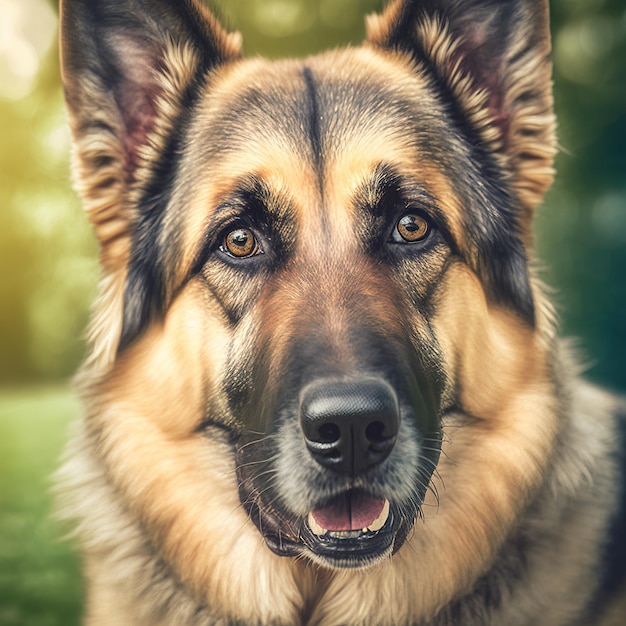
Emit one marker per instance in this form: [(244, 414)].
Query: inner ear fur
[(493, 59), (129, 67)]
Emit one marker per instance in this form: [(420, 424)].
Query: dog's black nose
[(349, 426)]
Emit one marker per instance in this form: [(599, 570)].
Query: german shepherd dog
[(324, 385)]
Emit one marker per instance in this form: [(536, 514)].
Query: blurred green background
[(48, 258)]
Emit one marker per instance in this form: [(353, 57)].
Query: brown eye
[(412, 227), (241, 243)]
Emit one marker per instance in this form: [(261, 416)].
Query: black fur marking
[(246, 385), (145, 292), (314, 121), (517, 57), (504, 260), (383, 197), (211, 426), (491, 222)]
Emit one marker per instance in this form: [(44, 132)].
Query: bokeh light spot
[(282, 18), (609, 217), (27, 29)]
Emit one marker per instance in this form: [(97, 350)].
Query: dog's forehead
[(318, 111)]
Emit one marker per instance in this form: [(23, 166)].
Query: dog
[(324, 385)]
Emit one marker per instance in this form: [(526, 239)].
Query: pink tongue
[(349, 512)]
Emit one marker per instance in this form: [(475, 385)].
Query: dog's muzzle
[(335, 464)]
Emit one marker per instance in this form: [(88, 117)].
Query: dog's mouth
[(353, 529)]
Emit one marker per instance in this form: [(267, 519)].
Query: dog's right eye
[(240, 243), (411, 228)]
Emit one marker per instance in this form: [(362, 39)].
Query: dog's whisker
[(270, 459), (253, 442)]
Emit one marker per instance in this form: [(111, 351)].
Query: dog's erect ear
[(129, 67), (131, 71), (493, 59)]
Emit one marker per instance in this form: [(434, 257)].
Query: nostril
[(329, 433), (375, 432)]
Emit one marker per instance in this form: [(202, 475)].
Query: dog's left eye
[(411, 228), (240, 243)]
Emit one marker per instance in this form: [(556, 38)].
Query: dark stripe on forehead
[(314, 118)]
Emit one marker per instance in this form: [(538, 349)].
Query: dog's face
[(309, 267), (316, 243)]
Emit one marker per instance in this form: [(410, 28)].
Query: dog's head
[(311, 265)]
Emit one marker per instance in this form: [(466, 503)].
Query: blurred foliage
[(47, 255), (582, 227)]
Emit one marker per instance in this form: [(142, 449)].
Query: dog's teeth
[(379, 522), (344, 534), (315, 527)]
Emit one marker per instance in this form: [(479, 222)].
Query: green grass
[(40, 582)]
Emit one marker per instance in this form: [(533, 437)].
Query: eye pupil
[(412, 227), (240, 243)]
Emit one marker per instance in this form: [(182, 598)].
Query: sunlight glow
[(27, 29)]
